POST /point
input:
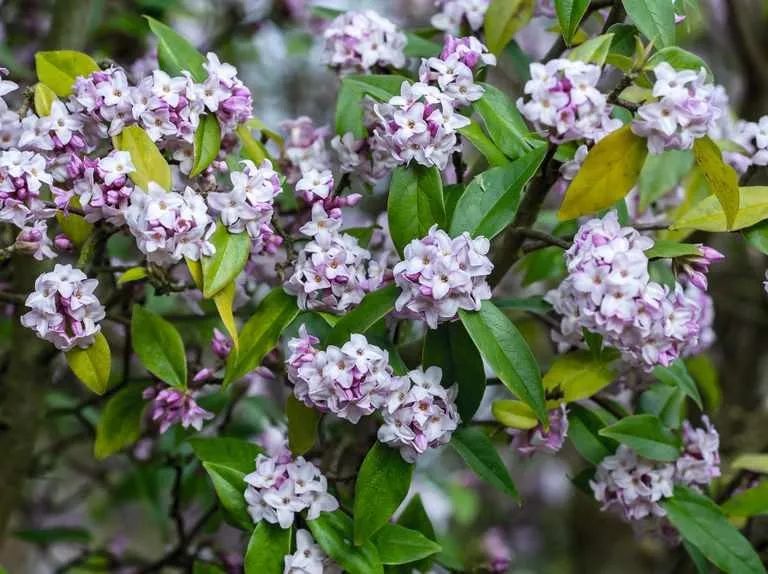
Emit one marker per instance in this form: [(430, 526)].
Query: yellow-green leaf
[(253, 149), (594, 50), (577, 376), (223, 300), (708, 214), (721, 177), (132, 274), (58, 70), (514, 414), (610, 170), (221, 268), (93, 364), (149, 162), (75, 227), (503, 19), (207, 143), (44, 98), (753, 462), (196, 272)]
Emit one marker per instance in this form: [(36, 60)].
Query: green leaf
[(505, 349), (149, 162), (205, 568), (260, 333), (503, 19), (678, 58), (751, 502), (677, 375), (375, 306), (667, 249), (504, 123), (120, 421), (44, 98), (224, 301), (595, 50), (490, 201), (578, 375), (702, 524), (207, 143), (477, 450), (333, 532), (302, 425), (381, 486), (221, 268), (665, 402), (722, 178), (661, 173), (584, 428), (654, 18), (535, 304), (349, 109), (229, 484), (267, 549), (227, 451), (514, 414), (708, 214), (569, 14), (646, 435), (253, 149), (450, 348), (159, 347), (58, 70), (418, 47), (75, 227), (476, 136), (415, 203), (609, 171), (416, 518), (399, 545), (132, 274), (753, 462), (93, 364), (53, 534), (175, 53)]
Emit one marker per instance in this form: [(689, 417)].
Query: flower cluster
[(453, 71), (309, 558), (453, 13), (419, 414), (249, 205), (440, 275), (22, 175), (350, 382), (171, 406), (542, 439), (64, 309), (419, 125), (360, 41), (101, 185), (564, 103), (332, 272), (33, 240), (282, 485), (635, 485), (686, 108), (608, 291), (169, 225), (304, 148), (752, 141), (224, 94)]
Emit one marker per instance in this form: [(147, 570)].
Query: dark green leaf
[(504, 123), (120, 422), (159, 347), (349, 110), (569, 14), (415, 203), (418, 47), (646, 435), (583, 431), (478, 452), (535, 304), (399, 545), (228, 451), (175, 53), (207, 143), (667, 249), (677, 375), (333, 532), (54, 534), (302, 425), (221, 268), (229, 484), (665, 402), (374, 307), (654, 18), (267, 549)]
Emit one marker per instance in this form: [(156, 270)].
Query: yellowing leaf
[(721, 177), (149, 162), (196, 271), (132, 274), (610, 170), (578, 375), (708, 214), (503, 19), (44, 98), (92, 365), (752, 462), (223, 300), (514, 414), (58, 70)]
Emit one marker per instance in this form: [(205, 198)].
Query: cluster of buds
[(101, 185), (172, 406)]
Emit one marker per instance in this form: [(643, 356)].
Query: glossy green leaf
[(159, 347), (44, 98), (661, 173), (578, 375), (476, 136), (665, 402), (678, 58), (504, 123), (667, 249), (489, 203), (381, 486), (608, 173), (584, 428), (375, 306), (415, 203), (229, 484), (646, 435), (267, 548), (92, 364), (418, 47), (569, 14), (477, 450), (207, 143), (333, 532), (399, 545), (302, 425), (514, 414), (175, 53), (708, 214), (227, 451), (119, 424), (149, 162), (722, 178), (677, 375), (750, 502), (593, 51), (753, 462), (503, 19), (221, 268), (415, 517), (654, 18), (702, 524), (508, 354), (349, 109), (59, 69)]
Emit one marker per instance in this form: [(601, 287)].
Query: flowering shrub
[(286, 331)]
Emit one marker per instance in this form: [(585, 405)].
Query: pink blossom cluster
[(249, 205), (440, 275), (635, 485), (318, 187), (549, 439), (686, 108), (608, 291), (309, 558), (752, 139), (224, 94), (564, 103), (420, 413), (331, 272), (304, 148), (64, 309), (419, 125), (453, 71), (172, 406), (454, 13), (350, 381), (282, 486), (357, 42), (33, 240), (101, 185), (22, 176), (168, 225)]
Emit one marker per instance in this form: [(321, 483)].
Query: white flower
[(309, 558), (358, 41)]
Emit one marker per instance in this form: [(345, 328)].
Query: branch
[(544, 237)]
